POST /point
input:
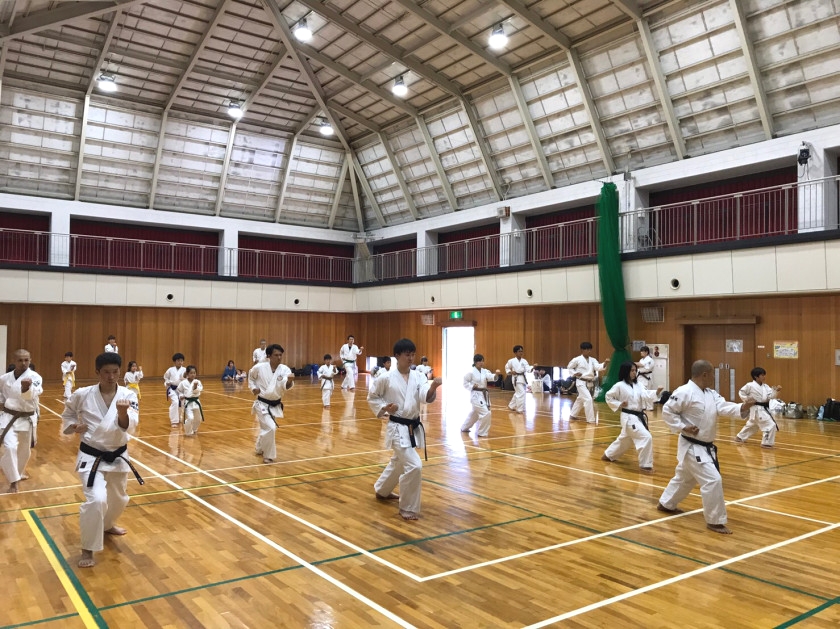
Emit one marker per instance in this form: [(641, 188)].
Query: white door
[(458, 351)]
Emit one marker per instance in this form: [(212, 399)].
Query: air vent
[(653, 314), (427, 319)]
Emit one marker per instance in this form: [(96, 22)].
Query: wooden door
[(709, 342)]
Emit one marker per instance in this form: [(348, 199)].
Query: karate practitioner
[(268, 381), (760, 417), (475, 381), (171, 379), (104, 415), (132, 378), (585, 370), (348, 354), (645, 368), (631, 399), (259, 354), (189, 392), (398, 395), (693, 410), (19, 391), (516, 368), (111, 345), (68, 374), (424, 367), (326, 373)]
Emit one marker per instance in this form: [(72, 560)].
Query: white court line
[(299, 560), (288, 514), (790, 515)]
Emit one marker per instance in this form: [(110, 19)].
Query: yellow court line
[(67, 584)]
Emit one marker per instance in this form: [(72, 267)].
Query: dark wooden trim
[(719, 321)]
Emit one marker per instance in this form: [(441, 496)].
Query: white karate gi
[(325, 374), (690, 405), (68, 376), (348, 355), (760, 418), (516, 368), (107, 499), (186, 390), (18, 441), (480, 400), (405, 466), (258, 355), (272, 386), (645, 371), (171, 379), (425, 370), (132, 381), (632, 429), (588, 369), (112, 349)]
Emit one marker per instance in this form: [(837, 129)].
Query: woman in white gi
[(189, 392), (132, 378), (693, 410), (68, 374), (326, 373), (268, 381), (516, 368), (19, 391), (171, 379), (398, 396), (585, 370), (475, 381), (631, 399), (104, 415), (760, 417), (348, 354)]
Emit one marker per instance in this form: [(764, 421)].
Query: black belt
[(271, 404), (766, 407), (108, 457), (646, 376), (640, 414), (710, 446), (170, 387), (193, 400), (412, 424), (16, 415)]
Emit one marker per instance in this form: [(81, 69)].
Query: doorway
[(458, 351), (717, 344)]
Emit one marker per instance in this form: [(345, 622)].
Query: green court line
[(809, 613), (29, 623)]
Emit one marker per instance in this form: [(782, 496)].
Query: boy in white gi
[(398, 396), (693, 410), (631, 399), (68, 374), (189, 392), (268, 381), (326, 373), (104, 415), (760, 417), (171, 379), (585, 370), (259, 354), (475, 381), (111, 345), (19, 391), (132, 378), (516, 368), (348, 354), (424, 367)]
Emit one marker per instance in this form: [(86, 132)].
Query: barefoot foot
[(647, 470), (604, 457), (664, 509), (116, 530), (409, 515), (762, 445), (26, 476), (719, 528), (87, 560), (267, 460), (391, 496), (13, 488), (738, 440)]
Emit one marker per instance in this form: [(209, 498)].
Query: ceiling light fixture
[(107, 82), (498, 39), (325, 128), (302, 31), (399, 88), (235, 109)]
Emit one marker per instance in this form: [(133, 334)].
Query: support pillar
[(512, 241), (60, 238), (427, 260), (229, 252)]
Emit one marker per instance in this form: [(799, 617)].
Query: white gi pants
[(584, 400), (266, 445), (632, 432), (104, 504), (350, 377), (689, 473), (16, 453), (517, 402), (174, 406), (405, 468), (480, 413), (645, 383), (326, 393), (762, 420), (192, 419), (68, 388)]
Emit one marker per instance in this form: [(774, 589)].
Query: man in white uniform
[(259, 353), (424, 367), (398, 396), (111, 345), (475, 381), (693, 410), (348, 354), (516, 368), (585, 370), (19, 391), (171, 379), (104, 415), (268, 381)]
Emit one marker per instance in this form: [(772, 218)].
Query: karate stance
[(189, 392), (631, 398), (19, 391), (259, 354), (68, 374), (268, 381), (171, 379), (760, 417), (475, 381), (585, 370), (103, 415), (693, 410), (326, 373), (398, 396), (516, 368), (348, 354), (132, 378)]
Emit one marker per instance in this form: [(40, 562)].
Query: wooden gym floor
[(525, 528)]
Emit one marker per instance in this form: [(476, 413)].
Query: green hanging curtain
[(613, 305)]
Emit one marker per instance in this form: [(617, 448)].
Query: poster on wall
[(735, 346), (785, 349)]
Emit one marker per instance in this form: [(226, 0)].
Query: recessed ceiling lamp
[(498, 39), (399, 88), (301, 31), (107, 83), (235, 109), (325, 128)]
